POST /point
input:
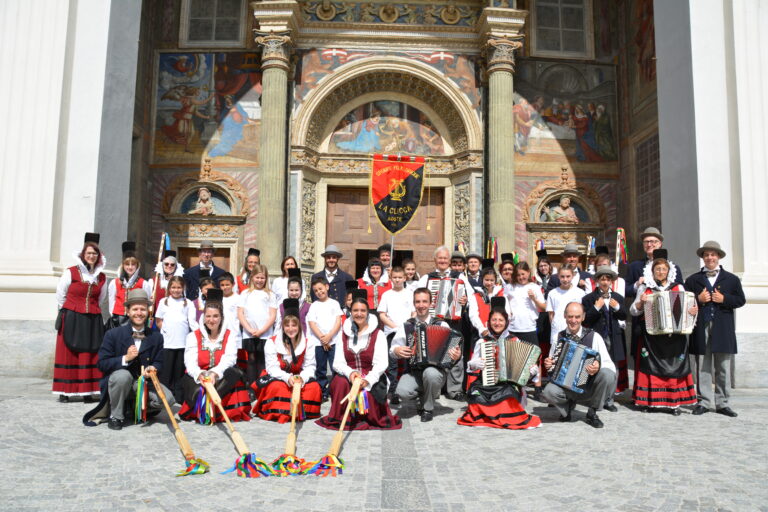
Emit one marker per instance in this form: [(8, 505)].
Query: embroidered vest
[(83, 297), (119, 307), (204, 355)]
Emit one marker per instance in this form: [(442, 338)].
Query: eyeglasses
[(651, 242), (169, 264)]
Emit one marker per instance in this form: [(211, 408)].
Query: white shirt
[(280, 289), (86, 276), (400, 339), (178, 316), (398, 305), (256, 304), (380, 357), (481, 324), (228, 358), (324, 314), (275, 346), (556, 302), (524, 310), (597, 344), (231, 304)]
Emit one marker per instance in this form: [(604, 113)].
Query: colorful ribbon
[(539, 245), (492, 248), (140, 410), (250, 466), (195, 467), (330, 465), (621, 245), (288, 465), (204, 408), (361, 403)]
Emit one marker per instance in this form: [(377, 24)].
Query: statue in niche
[(563, 213), (204, 204)]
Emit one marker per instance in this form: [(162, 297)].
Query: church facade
[(254, 125)]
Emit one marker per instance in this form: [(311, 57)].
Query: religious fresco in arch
[(207, 105), (565, 114), (641, 53), (386, 127), (319, 63)]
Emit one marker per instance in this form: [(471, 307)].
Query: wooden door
[(348, 216)]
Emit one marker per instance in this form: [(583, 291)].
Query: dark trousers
[(172, 371), (324, 358), (224, 386), (255, 349), (393, 364)]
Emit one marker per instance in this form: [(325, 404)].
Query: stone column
[(501, 141), (270, 230)]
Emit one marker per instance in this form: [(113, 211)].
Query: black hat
[(169, 253), (129, 249), (204, 272), (294, 272), (91, 237), (498, 303), (541, 253), (253, 252), (360, 293), (660, 253), (487, 263), (602, 249), (350, 285), (290, 307), (458, 255), (214, 295), (507, 256)]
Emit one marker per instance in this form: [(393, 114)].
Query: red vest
[(288, 366), (363, 360), (241, 285), (204, 356), (484, 310), (119, 307), (374, 291), (83, 297)]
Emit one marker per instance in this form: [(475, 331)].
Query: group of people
[(255, 338)]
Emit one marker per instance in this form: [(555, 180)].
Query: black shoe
[(565, 419), (63, 399), (426, 416), (699, 410), (115, 424), (394, 399), (537, 395), (726, 411), (89, 399), (611, 408), (594, 421), (459, 397), (676, 411)]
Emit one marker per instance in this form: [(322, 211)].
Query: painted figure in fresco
[(433, 142), (314, 68), (204, 204), (182, 130), (231, 127), (604, 134), (368, 138), (523, 122), (586, 147), (563, 213)]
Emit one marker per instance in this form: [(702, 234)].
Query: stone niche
[(211, 206), (561, 212)]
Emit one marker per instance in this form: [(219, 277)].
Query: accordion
[(571, 361), (446, 294), (667, 313), (513, 363), (431, 344)]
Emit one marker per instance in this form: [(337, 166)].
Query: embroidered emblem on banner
[(396, 186)]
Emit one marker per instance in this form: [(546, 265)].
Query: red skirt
[(378, 417), (242, 359), (496, 407), (74, 373), (671, 392), (274, 402), (237, 404)]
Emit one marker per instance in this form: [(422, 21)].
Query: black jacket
[(192, 279), (595, 320), (722, 318)]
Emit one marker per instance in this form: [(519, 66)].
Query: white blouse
[(178, 316), (275, 346), (257, 304), (380, 353), (228, 358)]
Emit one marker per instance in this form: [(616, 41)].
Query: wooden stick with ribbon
[(195, 466), (247, 465), (288, 464), (156, 283)]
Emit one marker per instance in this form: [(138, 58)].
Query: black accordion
[(431, 344)]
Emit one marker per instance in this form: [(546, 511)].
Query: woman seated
[(211, 352), (663, 377), (363, 355), (289, 359), (500, 405)]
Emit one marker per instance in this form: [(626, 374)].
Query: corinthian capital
[(275, 49), (500, 52)]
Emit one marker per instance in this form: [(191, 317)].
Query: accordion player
[(431, 344), (508, 360), (446, 293)]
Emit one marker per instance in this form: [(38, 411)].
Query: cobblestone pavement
[(637, 462)]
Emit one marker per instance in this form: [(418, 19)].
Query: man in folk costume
[(455, 379), (192, 274), (474, 266), (333, 274), (128, 278), (425, 383), (713, 341), (571, 255), (128, 352), (602, 372), (604, 312), (211, 353)]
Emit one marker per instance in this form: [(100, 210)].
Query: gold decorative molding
[(500, 52), (584, 194), (179, 188), (276, 49)]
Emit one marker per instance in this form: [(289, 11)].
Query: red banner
[(396, 186)]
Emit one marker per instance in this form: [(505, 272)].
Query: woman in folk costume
[(252, 259), (289, 358), (168, 267), (175, 318), (128, 278), (211, 352), (500, 405), (279, 287), (375, 282), (363, 354), (663, 374), (79, 326), (480, 304)]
